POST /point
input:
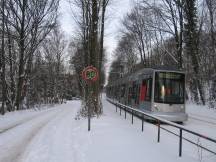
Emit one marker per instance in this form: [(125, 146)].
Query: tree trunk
[(191, 39), (3, 62), (102, 36), (94, 54), (21, 57), (12, 71)]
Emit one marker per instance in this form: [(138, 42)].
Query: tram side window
[(145, 90), (134, 92), (108, 91), (123, 90), (149, 90), (137, 95), (115, 91), (129, 95), (118, 91)]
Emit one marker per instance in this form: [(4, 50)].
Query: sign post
[(90, 74)]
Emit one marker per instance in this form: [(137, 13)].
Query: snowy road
[(19, 134), (17, 118), (55, 136)]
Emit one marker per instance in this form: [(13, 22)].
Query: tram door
[(122, 93), (135, 94), (129, 95), (145, 94)]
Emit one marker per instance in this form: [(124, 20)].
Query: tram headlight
[(155, 107)]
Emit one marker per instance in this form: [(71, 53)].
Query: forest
[(32, 66), (39, 64)]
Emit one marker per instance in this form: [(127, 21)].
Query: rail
[(159, 120)]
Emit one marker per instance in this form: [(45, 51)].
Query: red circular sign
[(90, 73)]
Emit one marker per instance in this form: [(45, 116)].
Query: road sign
[(90, 74)]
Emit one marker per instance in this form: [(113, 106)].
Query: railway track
[(202, 118)]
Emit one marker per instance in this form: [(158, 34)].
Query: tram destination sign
[(168, 75)]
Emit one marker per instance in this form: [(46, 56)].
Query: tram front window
[(169, 87)]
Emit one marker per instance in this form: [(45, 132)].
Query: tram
[(157, 91)]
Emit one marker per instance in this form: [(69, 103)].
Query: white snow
[(55, 136), (202, 112), (202, 120), (15, 118)]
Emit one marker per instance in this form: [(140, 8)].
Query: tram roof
[(168, 68), (145, 73)]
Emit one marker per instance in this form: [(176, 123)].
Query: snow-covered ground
[(12, 119), (55, 136), (202, 119)]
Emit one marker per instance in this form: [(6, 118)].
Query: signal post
[(90, 74)]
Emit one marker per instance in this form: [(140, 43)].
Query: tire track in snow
[(54, 142), (202, 118), (15, 140), (24, 121)]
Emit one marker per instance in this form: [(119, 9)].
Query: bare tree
[(191, 46), (169, 20), (54, 49), (126, 53), (30, 22), (2, 60), (90, 19)]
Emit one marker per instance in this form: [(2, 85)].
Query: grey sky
[(115, 12)]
